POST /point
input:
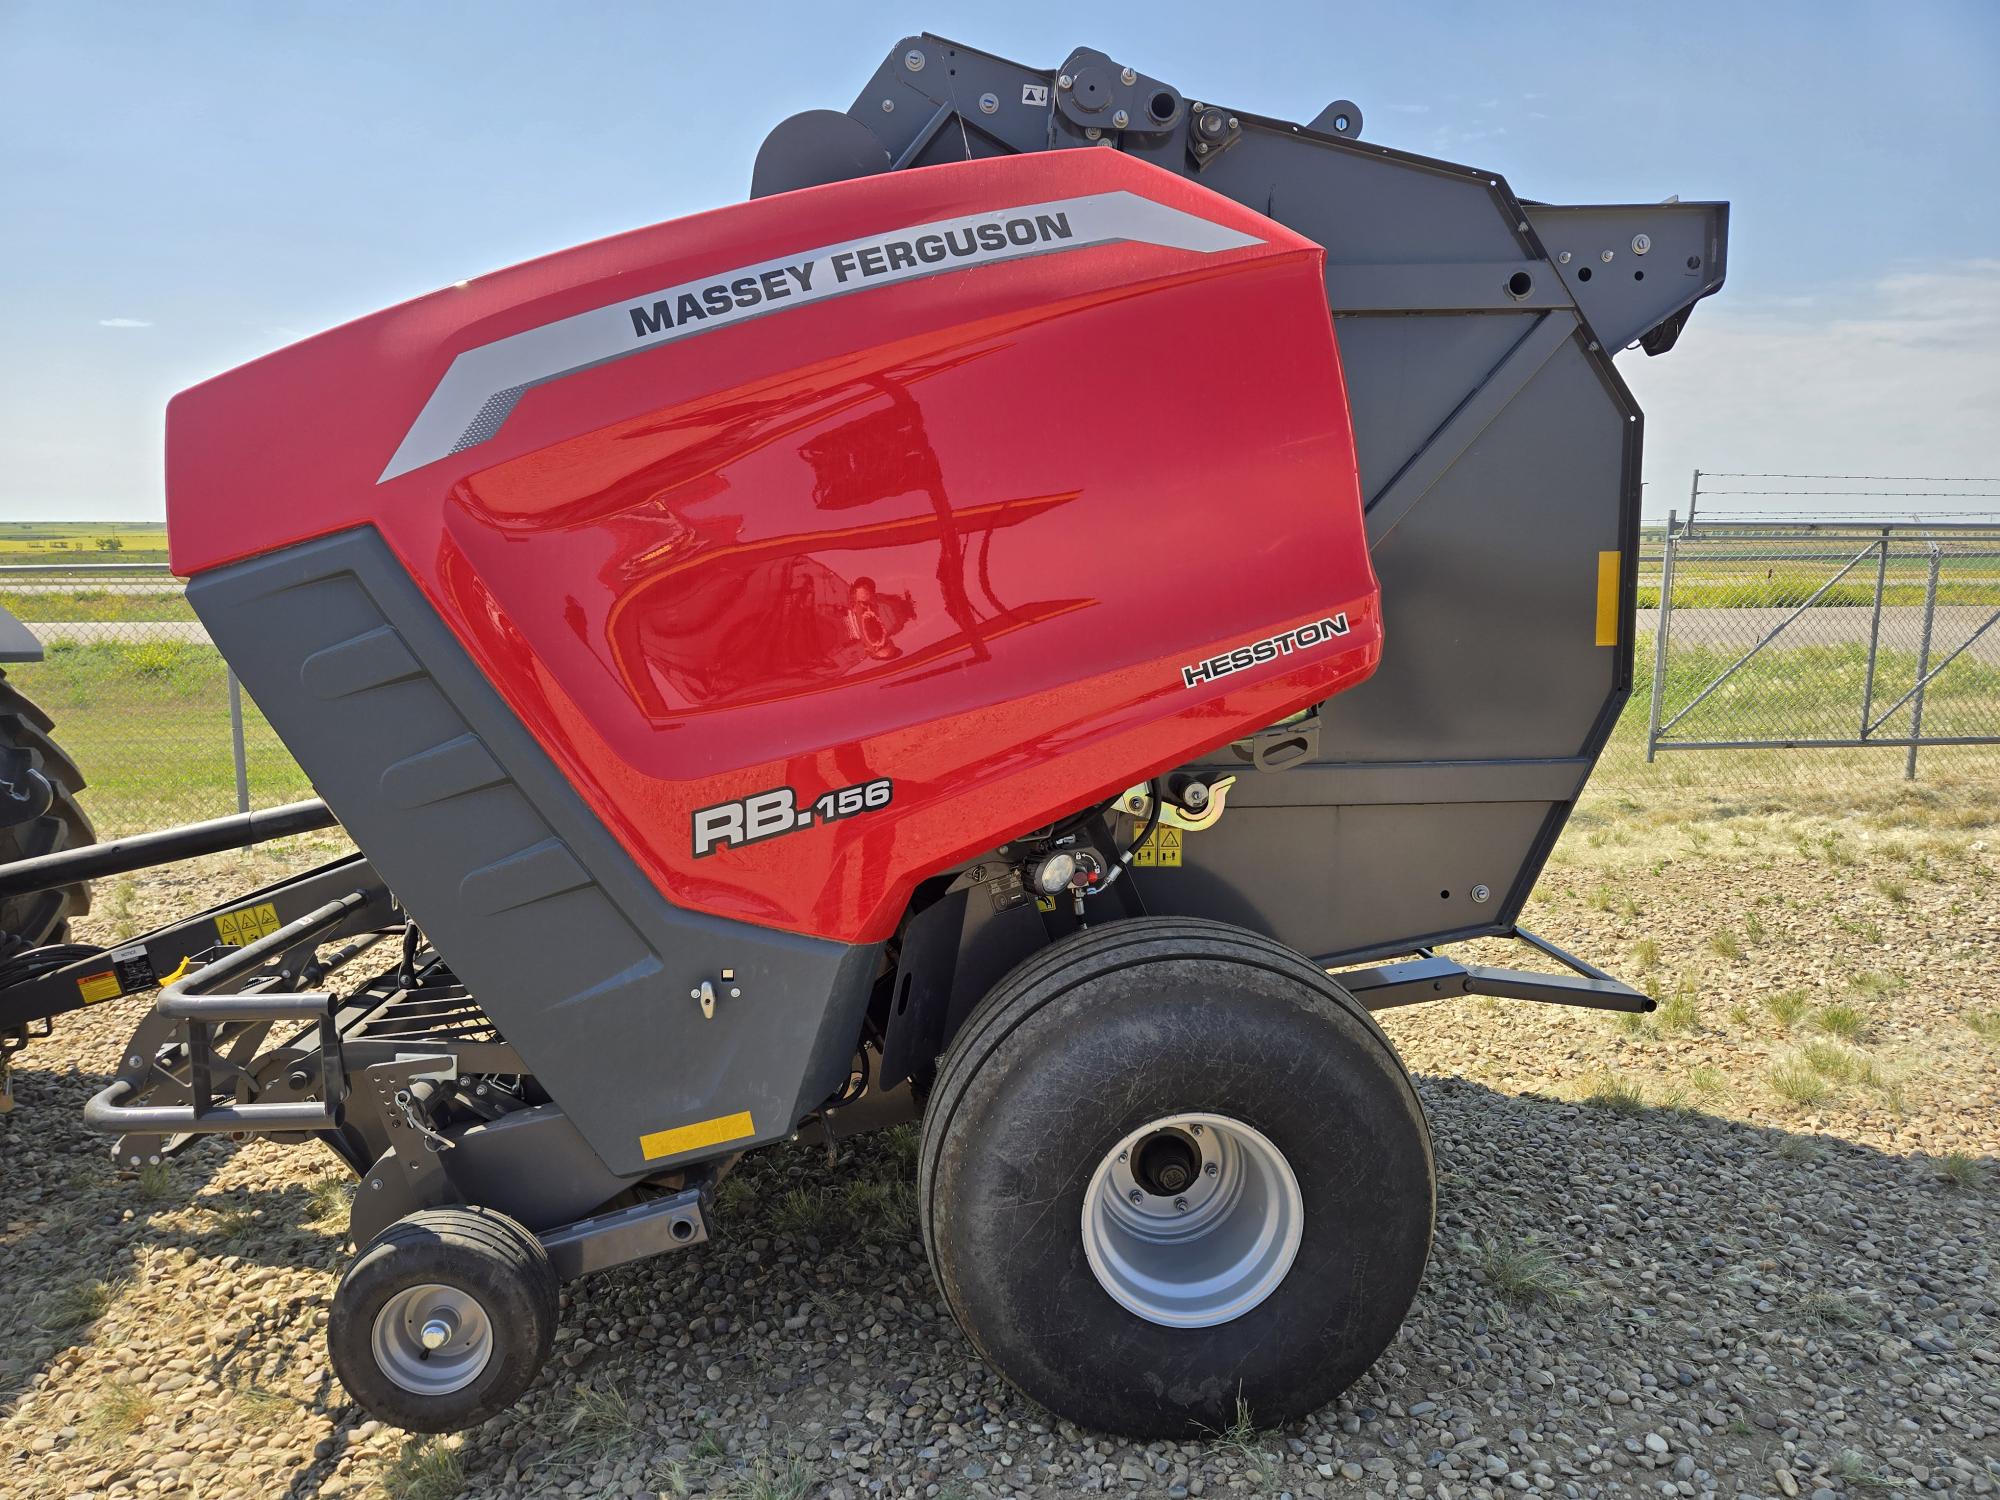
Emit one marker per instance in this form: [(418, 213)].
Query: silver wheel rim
[(456, 1323), (1199, 1255)]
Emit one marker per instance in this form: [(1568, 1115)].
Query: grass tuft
[(1646, 953), (1796, 1083), (1725, 944), (1985, 1024), (1802, 1149), (1858, 1474), (69, 1308), (1680, 1011), (598, 1422), (425, 1469), (1619, 1095), (1841, 1019), (1959, 1169), (120, 1410), (1896, 890), (1874, 983), (1833, 1310), (156, 1182), (1524, 1274), (1785, 1007), (332, 1202)]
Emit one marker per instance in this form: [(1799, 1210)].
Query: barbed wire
[(1858, 478)]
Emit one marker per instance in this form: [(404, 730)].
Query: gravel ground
[(1747, 1246)]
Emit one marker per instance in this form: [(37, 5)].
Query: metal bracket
[(1430, 977), (1212, 130), (1138, 801)]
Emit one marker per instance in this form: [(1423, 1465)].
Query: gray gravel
[(1743, 1298)]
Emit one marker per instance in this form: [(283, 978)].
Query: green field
[(82, 542), (91, 602), (148, 724)]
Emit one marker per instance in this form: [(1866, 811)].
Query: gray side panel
[(1499, 459), (572, 951)]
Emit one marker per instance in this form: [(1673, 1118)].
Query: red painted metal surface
[(962, 532)]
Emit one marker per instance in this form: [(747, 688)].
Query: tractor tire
[(478, 1277), (1173, 1178), (40, 918)]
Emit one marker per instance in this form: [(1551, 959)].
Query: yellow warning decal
[(96, 987), (1607, 597), (1162, 850), (681, 1138), (239, 929)]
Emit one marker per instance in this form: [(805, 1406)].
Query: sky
[(184, 187)]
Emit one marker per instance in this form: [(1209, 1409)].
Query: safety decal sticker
[(239, 929), (1161, 851), (101, 986)]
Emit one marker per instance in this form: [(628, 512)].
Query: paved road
[(1837, 625)]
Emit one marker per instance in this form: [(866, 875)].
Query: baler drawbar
[(1036, 624)]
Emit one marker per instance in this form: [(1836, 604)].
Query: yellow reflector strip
[(1607, 598), (693, 1137)]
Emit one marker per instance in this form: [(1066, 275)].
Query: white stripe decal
[(482, 384)]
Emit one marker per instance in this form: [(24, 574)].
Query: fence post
[(1694, 497), (236, 743), (1874, 635), (1660, 636), (1923, 664)]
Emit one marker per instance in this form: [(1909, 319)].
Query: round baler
[(1036, 623)]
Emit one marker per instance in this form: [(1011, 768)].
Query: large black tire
[(478, 1252), (1096, 1038), (41, 917)]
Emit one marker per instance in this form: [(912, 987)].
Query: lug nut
[(1128, 78), (1211, 1169), (1180, 1205), (1137, 1196), (1120, 119)]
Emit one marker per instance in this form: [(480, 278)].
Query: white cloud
[(1900, 375), (124, 323)]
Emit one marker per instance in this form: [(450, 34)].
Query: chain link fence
[(1831, 654), (142, 700)]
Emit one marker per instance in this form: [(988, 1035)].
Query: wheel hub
[(1192, 1220), (432, 1339)]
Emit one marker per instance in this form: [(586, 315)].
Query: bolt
[(298, 1078), (1180, 1205), (1606, 256), (1092, 134), (1211, 123), (888, 106), (1201, 150), (1122, 1155), (1232, 122), (1641, 243), (1063, 81), (1480, 893), (1137, 1196), (695, 993), (436, 1334), (1563, 259), (1128, 78), (913, 60), (735, 994), (1195, 797), (988, 103), (1120, 119), (1211, 1169), (1194, 1130)]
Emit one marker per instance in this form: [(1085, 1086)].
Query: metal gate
[(1823, 635)]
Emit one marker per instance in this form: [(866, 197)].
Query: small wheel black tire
[(474, 1273), (1075, 1057)]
